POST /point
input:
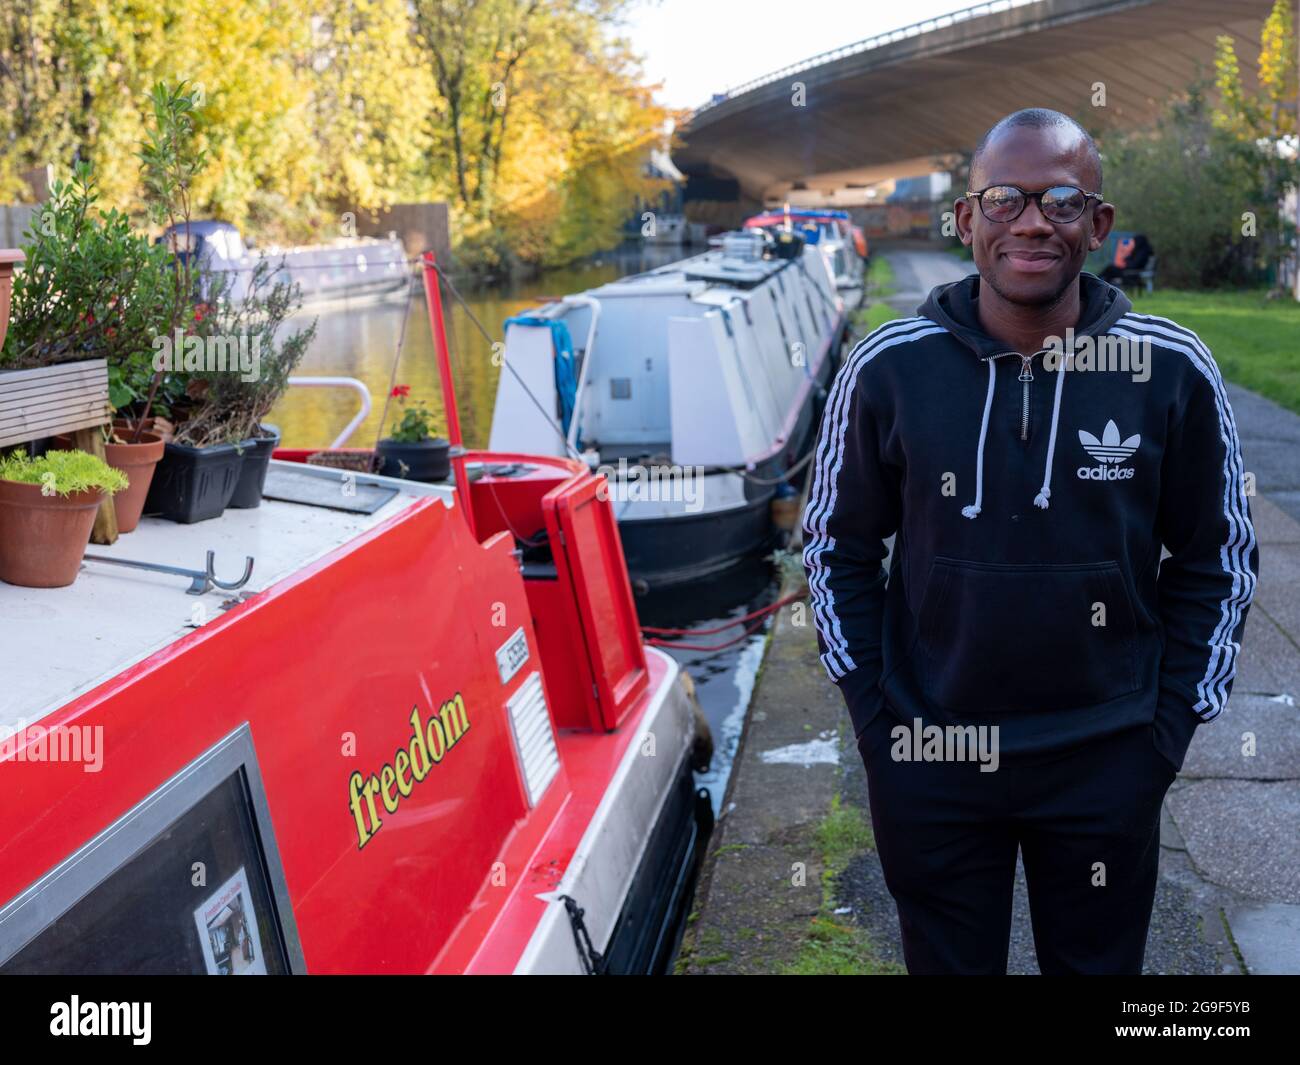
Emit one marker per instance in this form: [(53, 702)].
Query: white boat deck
[(57, 643)]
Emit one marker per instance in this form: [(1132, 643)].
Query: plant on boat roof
[(63, 472), (232, 402), (416, 422), (170, 161), (228, 400), (92, 286)]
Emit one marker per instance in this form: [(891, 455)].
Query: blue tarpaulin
[(566, 375)]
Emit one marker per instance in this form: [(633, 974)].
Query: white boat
[(351, 269), (695, 387), (843, 244)]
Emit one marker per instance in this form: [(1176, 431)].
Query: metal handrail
[(340, 382), (581, 388), (989, 7)]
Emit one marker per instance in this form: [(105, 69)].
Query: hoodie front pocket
[(999, 637)]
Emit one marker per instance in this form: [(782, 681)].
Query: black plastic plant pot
[(252, 472), (428, 460), (194, 484)]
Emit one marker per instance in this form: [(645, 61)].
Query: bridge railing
[(939, 22)]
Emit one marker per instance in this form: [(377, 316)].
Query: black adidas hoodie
[(1030, 502)]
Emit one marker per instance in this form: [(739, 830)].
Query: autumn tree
[(527, 116)]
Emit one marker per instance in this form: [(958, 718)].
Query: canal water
[(362, 341)]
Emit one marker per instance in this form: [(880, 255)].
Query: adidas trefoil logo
[(1109, 452)]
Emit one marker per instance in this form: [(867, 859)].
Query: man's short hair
[(1038, 118)]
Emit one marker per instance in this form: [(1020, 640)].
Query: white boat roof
[(58, 643), (690, 277)]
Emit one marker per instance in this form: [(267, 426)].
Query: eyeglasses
[(1060, 203)]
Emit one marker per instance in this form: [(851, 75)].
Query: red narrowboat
[(425, 736)]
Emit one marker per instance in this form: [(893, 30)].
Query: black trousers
[(1086, 822)]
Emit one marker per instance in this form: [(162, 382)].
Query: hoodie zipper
[(1026, 377)]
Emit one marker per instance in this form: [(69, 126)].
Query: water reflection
[(361, 342), (724, 680)]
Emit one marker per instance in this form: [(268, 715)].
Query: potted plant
[(47, 509), (136, 459), (411, 450), (94, 289), (233, 401), (221, 449)]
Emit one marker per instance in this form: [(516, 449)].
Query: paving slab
[(1256, 738), (1289, 501), (1258, 417), (1269, 663), (1273, 525), (1279, 580), (1266, 937), (1241, 835)]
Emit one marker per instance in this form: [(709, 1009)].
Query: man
[(1032, 443)]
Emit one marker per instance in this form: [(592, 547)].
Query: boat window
[(165, 893)]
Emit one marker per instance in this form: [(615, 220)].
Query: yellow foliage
[(1269, 114), (314, 108)]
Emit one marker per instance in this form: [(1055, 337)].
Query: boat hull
[(662, 552), (633, 869)]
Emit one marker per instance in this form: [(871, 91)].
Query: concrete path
[(1228, 900), (917, 269)]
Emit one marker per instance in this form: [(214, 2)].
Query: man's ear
[(962, 215), (1103, 220)]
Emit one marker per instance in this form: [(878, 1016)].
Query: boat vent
[(530, 722)]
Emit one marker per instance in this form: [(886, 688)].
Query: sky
[(699, 47)]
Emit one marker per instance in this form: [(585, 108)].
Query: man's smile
[(1031, 261)]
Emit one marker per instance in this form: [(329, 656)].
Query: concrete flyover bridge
[(896, 104)]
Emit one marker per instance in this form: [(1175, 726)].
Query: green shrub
[(92, 286)]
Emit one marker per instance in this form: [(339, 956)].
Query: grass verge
[(1255, 340), (835, 946)]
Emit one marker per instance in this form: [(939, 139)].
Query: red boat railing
[(438, 326)]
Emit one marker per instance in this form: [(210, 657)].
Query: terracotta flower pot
[(137, 461), (9, 258), (42, 538), (161, 426)]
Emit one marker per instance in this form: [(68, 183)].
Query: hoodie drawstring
[(974, 508), (1045, 493)]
